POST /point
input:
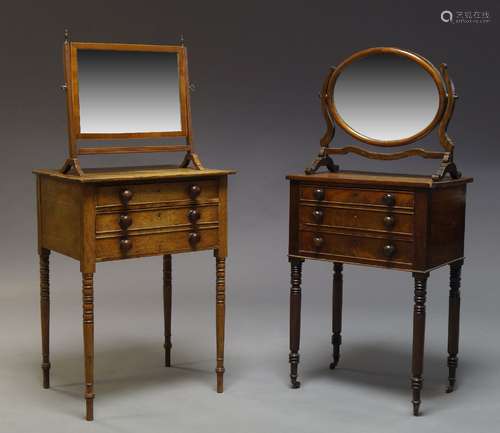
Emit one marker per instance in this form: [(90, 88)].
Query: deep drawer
[(345, 247), (168, 242)]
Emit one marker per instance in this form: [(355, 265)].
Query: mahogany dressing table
[(384, 97), (122, 91)]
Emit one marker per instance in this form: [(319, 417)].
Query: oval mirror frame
[(419, 60)]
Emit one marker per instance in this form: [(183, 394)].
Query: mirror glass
[(386, 97), (128, 91)]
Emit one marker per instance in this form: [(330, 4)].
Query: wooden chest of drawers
[(125, 218), (405, 222)]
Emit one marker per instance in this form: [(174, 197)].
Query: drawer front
[(168, 242), (150, 194), (133, 220), (363, 249), (355, 196), (355, 218)]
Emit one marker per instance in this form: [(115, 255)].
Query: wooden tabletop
[(119, 174), (369, 178)]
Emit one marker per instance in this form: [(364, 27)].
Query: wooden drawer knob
[(125, 196), (389, 221), (125, 244), (193, 215), (125, 221), (194, 191), (318, 241), (317, 216), (389, 199), (194, 238), (389, 250), (319, 194)]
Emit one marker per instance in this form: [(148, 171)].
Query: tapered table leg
[(418, 338), (295, 305), (88, 341), (336, 313), (220, 313), (167, 305), (45, 313), (453, 322)]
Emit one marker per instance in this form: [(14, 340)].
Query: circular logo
[(446, 17)]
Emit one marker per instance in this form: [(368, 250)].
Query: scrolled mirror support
[(447, 165), (323, 159)]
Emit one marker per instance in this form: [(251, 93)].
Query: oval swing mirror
[(386, 96)]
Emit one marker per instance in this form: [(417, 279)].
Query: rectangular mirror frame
[(71, 77)]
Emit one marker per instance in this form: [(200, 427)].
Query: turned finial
[(66, 36), (182, 39)]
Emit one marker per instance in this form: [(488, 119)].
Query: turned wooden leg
[(167, 305), (295, 301), (418, 338), (88, 341), (453, 322), (336, 313), (220, 312), (45, 313)]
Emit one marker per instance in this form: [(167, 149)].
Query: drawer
[(377, 220), (143, 195), (167, 242), (355, 196), (140, 219), (362, 249)]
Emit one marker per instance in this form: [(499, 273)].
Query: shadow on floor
[(387, 367), (130, 367)]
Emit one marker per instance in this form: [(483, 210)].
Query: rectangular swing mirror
[(125, 92), (128, 91)]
